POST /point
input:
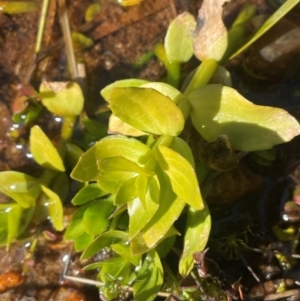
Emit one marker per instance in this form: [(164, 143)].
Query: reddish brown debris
[(10, 280)]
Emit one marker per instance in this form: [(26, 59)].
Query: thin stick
[(41, 28), (63, 16), (97, 283)]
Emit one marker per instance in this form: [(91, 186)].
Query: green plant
[(135, 189)]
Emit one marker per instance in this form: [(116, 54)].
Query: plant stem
[(173, 69), (202, 76), (173, 75), (164, 140), (67, 128)]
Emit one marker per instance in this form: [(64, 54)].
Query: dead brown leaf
[(211, 34)]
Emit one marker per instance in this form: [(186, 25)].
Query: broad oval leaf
[(120, 163), (117, 126), (55, 208), (178, 40), (182, 176), (218, 110), (149, 279), (62, 98), (147, 110), (22, 188), (104, 240), (175, 95), (131, 82), (196, 235), (111, 146), (43, 151)]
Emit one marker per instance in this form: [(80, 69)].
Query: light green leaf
[(43, 151), (76, 227), (138, 244), (14, 219), (132, 82), (96, 216), (178, 40), (196, 235), (111, 146), (141, 184), (87, 194), (117, 126), (272, 20), (124, 251), (62, 98), (119, 163), (126, 192), (175, 95), (149, 279), (83, 241), (111, 181), (181, 147), (170, 208), (22, 188), (167, 213), (182, 176), (55, 208), (147, 110), (140, 214), (218, 110), (104, 240)]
